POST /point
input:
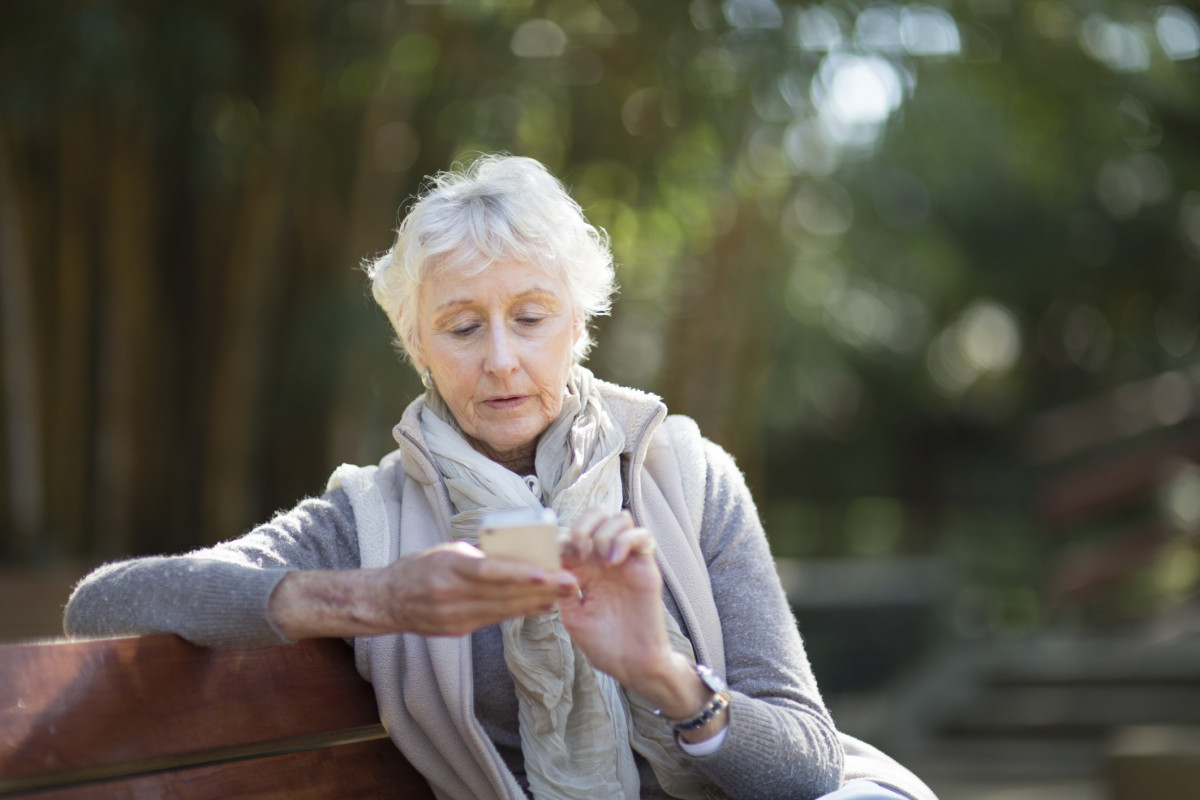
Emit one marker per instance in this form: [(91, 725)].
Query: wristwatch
[(720, 700)]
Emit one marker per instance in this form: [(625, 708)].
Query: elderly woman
[(662, 661)]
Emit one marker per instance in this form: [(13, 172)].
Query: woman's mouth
[(505, 402)]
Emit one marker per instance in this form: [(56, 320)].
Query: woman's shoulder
[(694, 453), (352, 477)]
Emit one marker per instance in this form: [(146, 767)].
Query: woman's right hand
[(448, 590), (453, 589)]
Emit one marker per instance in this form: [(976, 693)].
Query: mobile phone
[(522, 534)]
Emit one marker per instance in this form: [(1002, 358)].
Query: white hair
[(497, 208)]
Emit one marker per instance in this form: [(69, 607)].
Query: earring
[(427, 379)]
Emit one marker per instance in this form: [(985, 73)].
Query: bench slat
[(66, 707), (368, 769)]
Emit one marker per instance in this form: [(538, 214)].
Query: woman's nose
[(501, 357)]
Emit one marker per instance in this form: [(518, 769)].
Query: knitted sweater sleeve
[(781, 740), (217, 595)]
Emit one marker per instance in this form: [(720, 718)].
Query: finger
[(572, 602), (471, 563), (607, 532), (466, 618), (577, 547), (453, 589), (589, 519), (510, 575), (503, 570), (633, 541), (460, 573), (582, 529), (466, 596)]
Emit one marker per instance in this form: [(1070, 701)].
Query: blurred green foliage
[(864, 244)]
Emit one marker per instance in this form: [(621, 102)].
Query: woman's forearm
[(448, 590), (207, 601), (327, 603)]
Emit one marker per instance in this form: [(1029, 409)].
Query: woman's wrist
[(717, 723), (678, 693), (708, 718), (673, 688), (317, 603)]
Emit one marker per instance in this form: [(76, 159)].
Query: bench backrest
[(154, 716)]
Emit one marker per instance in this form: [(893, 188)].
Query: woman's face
[(498, 345)]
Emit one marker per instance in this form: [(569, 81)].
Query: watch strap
[(719, 702)]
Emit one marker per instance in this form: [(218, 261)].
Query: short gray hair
[(496, 208)]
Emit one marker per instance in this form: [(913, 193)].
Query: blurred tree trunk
[(19, 334), (372, 217), (253, 282), (715, 359), (70, 404), (130, 383)]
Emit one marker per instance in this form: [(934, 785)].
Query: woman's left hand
[(619, 620)]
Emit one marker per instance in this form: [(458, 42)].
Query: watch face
[(711, 679)]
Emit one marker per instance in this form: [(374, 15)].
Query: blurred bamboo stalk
[(251, 298), (717, 347), (371, 217), (130, 377), (69, 428), (18, 329)]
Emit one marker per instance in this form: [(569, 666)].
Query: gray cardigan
[(782, 742)]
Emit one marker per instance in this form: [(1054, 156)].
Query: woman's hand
[(453, 589), (447, 590), (619, 621), (618, 618)]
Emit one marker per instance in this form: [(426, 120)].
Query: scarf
[(578, 727)]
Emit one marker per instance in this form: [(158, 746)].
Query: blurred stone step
[(1078, 710), (1001, 759)]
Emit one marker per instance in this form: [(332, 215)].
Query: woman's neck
[(519, 460)]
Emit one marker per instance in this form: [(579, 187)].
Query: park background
[(930, 272)]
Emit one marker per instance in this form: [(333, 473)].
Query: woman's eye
[(464, 331), (529, 319)]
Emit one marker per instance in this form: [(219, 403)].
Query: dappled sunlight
[(763, 14), (984, 341), (820, 207), (919, 30), (539, 38), (1179, 495), (854, 95), (1126, 186), (818, 29), (1178, 33), (1121, 47)]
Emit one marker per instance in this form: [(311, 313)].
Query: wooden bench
[(154, 716)]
